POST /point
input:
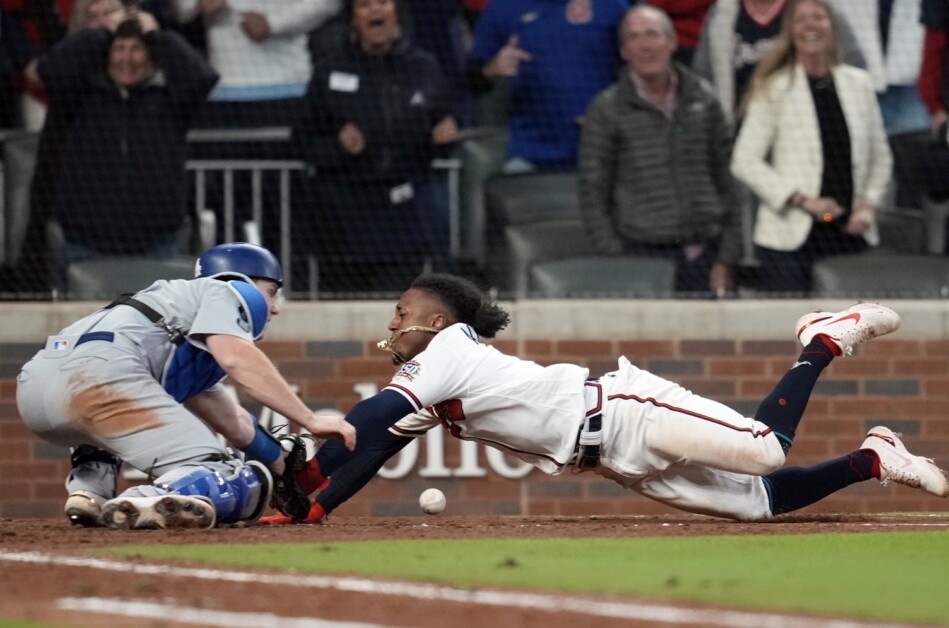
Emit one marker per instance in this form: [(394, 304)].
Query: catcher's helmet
[(239, 259)]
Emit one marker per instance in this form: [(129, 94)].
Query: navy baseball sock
[(792, 488), (783, 408)]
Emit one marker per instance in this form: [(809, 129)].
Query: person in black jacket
[(132, 91), (374, 117)]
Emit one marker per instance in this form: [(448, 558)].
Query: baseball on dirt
[(432, 501)]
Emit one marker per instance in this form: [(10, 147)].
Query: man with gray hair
[(653, 164)]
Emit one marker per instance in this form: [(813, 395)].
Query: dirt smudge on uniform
[(100, 409)]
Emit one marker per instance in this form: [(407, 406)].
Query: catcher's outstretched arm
[(350, 471)]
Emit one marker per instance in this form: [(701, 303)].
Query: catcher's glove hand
[(289, 497)]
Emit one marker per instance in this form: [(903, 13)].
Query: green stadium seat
[(603, 277), (881, 275)]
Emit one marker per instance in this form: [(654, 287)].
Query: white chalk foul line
[(430, 592), (200, 616)]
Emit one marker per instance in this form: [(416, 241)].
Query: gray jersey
[(121, 387)]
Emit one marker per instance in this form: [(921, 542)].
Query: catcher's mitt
[(289, 497)]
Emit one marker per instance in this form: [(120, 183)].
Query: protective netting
[(521, 143)]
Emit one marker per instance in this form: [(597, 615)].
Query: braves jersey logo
[(409, 370), (242, 321), (579, 11), (450, 413)]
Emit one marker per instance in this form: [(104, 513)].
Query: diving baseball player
[(644, 432), (139, 381)]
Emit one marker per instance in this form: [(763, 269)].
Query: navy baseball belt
[(587, 452)]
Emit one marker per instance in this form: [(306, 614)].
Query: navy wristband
[(264, 447)]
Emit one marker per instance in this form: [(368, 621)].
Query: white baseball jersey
[(478, 393), (658, 438)]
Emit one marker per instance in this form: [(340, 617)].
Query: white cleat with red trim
[(897, 464), (858, 323)]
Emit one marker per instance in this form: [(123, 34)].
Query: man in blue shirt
[(556, 55)]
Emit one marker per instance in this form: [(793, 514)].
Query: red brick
[(834, 426), (707, 347), (809, 447), (755, 388), (7, 389), (541, 507), (636, 349), (328, 388), (538, 347), (586, 348), (861, 406), (33, 470), (360, 367), (888, 348), (478, 489), (937, 387), (719, 388), (734, 366), (921, 366), (278, 350), (49, 490), (867, 367), (506, 346), (14, 430), (15, 450), (923, 407), (12, 490), (937, 347)]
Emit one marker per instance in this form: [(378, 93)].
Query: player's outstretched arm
[(249, 367)]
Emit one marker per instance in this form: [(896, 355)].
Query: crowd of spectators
[(673, 117)]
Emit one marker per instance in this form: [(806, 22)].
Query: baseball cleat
[(858, 323), (82, 509), (897, 464), (159, 512)]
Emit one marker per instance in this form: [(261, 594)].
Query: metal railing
[(256, 168)]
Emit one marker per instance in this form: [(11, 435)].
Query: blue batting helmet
[(239, 259)]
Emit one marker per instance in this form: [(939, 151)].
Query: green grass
[(890, 576)]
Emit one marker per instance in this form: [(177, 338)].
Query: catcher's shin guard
[(241, 496)]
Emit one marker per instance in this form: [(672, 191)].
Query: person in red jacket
[(687, 18)]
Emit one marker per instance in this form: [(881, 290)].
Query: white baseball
[(432, 501)]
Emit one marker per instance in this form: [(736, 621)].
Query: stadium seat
[(531, 217), (19, 160), (876, 275), (528, 198), (901, 231), (531, 243), (482, 153), (603, 277), (106, 278)]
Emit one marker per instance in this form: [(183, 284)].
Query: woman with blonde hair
[(812, 147)]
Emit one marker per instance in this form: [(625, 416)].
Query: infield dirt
[(29, 590)]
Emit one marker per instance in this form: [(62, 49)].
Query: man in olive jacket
[(653, 164)]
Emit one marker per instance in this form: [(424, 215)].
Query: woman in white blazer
[(813, 149)]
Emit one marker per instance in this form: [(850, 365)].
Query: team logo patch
[(242, 321), (409, 370), (59, 345), (527, 18), (579, 11)]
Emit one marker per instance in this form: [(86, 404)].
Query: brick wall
[(901, 383)]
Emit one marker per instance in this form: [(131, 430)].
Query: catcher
[(139, 381), (644, 432)]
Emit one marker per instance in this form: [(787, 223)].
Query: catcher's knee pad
[(239, 496)]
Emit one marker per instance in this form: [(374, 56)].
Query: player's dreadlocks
[(468, 303)]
